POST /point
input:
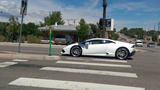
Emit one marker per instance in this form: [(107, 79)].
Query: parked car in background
[(158, 44), (63, 39), (100, 47), (47, 42), (139, 43), (151, 44)]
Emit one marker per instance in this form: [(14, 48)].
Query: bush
[(33, 39), (2, 38)]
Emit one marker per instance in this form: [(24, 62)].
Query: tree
[(133, 32), (30, 29), (82, 30), (113, 35), (3, 29), (124, 30), (13, 28), (54, 17), (95, 31), (154, 34)]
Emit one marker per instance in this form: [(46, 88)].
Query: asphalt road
[(138, 73)]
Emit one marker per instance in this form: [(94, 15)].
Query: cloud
[(9, 7), (38, 9), (130, 6)]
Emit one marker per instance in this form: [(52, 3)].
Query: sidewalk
[(30, 45), (13, 55)]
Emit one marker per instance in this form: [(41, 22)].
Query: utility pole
[(104, 32), (23, 11), (154, 27)]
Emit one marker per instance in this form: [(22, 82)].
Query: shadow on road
[(98, 57)]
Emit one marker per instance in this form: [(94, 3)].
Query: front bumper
[(64, 52), (132, 53)]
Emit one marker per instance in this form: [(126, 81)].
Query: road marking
[(18, 60), (6, 64), (93, 64), (108, 60), (86, 71), (68, 85), (97, 59), (76, 58)]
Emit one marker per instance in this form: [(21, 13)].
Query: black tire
[(122, 53), (76, 51)]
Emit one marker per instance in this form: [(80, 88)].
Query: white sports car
[(100, 47)]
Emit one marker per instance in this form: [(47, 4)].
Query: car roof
[(97, 39), (151, 43)]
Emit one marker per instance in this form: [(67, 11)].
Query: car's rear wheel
[(122, 53), (76, 51)]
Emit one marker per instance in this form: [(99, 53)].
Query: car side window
[(96, 42), (108, 41)]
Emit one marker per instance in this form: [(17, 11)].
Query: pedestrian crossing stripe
[(69, 85), (97, 59), (18, 60), (87, 71), (6, 64), (109, 60), (93, 64)]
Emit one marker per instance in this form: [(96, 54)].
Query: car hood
[(69, 46)]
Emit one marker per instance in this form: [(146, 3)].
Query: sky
[(126, 13)]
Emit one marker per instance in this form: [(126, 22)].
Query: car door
[(110, 47), (94, 47)]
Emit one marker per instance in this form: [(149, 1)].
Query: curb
[(29, 57)]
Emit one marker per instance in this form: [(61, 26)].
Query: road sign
[(109, 24), (24, 7)]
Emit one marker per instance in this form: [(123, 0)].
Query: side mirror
[(114, 42), (86, 44)]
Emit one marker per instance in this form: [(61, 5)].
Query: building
[(60, 29), (148, 38)]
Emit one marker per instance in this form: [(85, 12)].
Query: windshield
[(60, 36)]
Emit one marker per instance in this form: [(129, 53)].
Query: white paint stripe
[(76, 58), (93, 64), (6, 64), (96, 72), (18, 60), (108, 60), (97, 59), (69, 85)]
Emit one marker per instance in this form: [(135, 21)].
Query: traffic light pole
[(50, 44), (20, 37)]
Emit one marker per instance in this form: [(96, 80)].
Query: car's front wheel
[(122, 53), (76, 51)]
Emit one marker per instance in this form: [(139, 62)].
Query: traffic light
[(101, 23), (109, 23), (24, 7)]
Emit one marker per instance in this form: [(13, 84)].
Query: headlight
[(133, 46)]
